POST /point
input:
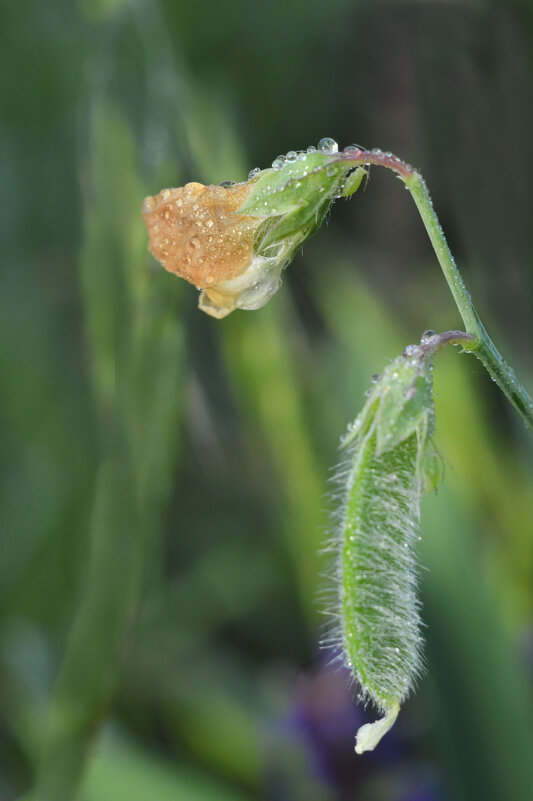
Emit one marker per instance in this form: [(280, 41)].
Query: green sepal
[(431, 470), (299, 194), (301, 223), (399, 403), (353, 181), (406, 390), (295, 184)]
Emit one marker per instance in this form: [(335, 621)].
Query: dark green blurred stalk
[(88, 673), (264, 371), (135, 346), (484, 733)]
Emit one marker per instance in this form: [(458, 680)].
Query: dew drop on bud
[(353, 149), (311, 149), (278, 163), (328, 145), (254, 173), (292, 155), (428, 334), (226, 184)]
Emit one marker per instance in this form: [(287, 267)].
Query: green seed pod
[(389, 454)]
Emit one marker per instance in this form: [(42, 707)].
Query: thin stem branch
[(432, 342), (481, 343)]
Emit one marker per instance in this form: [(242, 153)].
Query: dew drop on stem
[(328, 145)]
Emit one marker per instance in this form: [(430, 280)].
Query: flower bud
[(233, 242)]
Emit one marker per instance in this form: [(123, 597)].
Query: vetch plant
[(232, 242)]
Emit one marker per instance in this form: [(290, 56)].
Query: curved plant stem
[(482, 345)]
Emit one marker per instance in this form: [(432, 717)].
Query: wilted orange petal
[(194, 232)]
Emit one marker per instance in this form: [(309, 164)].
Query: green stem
[(482, 345), (417, 186)]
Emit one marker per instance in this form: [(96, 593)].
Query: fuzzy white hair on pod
[(378, 488)]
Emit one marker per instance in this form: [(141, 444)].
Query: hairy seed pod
[(388, 461)]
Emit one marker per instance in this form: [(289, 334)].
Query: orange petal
[(195, 233)]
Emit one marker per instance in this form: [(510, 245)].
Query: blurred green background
[(164, 475)]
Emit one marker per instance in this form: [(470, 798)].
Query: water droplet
[(254, 173), (328, 145), (428, 334), (292, 155), (311, 149), (353, 149), (375, 378), (278, 163), (226, 184)]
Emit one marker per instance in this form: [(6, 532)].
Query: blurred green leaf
[(122, 771)]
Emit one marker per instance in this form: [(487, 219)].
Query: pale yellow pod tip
[(370, 734)]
